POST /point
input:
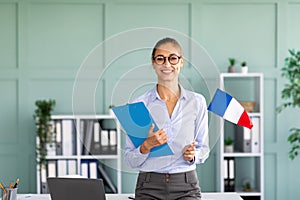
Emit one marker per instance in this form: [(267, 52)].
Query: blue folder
[(136, 121)]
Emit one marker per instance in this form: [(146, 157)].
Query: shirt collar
[(154, 93)]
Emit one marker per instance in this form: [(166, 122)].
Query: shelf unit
[(114, 158), (248, 165)]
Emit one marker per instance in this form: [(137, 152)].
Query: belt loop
[(148, 175), (186, 177)]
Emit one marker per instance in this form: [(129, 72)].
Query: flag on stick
[(230, 109)]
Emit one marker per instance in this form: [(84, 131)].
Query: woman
[(182, 117)]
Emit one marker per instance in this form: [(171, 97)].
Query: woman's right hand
[(154, 139)]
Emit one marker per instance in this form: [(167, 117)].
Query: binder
[(58, 137), (89, 168), (68, 138), (61, 168), (104, 141), (51, 168), (84, 169), (231, 175), (113, 141), (88, 136), (136, 120), (255, 133), (93, 169), (226, 177), (72, 167), (243, 139), (95, 147), (44, 186)]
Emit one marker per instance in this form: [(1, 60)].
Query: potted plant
[(231, 67), (291, 93), (247, 186), (244, 67), (44, 128), (228, 145)]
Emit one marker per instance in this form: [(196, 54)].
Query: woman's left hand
[(189, 152)]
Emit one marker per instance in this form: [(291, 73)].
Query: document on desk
[(136, 120)]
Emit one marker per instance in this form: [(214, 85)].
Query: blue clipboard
[(136, 121)]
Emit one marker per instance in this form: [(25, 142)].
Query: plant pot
[(232, 69), (244, 70), (228, 148)]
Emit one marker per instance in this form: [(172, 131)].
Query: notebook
[(76, 188), (135, 118)]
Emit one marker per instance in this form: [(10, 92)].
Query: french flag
[(230, 109)]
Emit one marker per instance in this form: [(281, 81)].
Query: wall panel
[(231, 30), (9, 112), (271, 116), (270, 176), (60, 35), (293, 30), (8, 35)]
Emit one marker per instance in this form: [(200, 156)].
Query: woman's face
[(167, 71)]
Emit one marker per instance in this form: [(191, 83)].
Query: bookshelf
[(86, 146), (246, 163)]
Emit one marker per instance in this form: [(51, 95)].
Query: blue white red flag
[(230, 109)]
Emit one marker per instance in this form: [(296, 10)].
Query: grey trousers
[(156, 186)]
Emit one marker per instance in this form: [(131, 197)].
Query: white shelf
[(244, 161), (239, 75), (100, 157), (114, 155), (242, 154)]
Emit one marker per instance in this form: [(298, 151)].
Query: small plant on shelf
[(247, 187), (44, 129), (231, 67), (228, 145), (244, 67)]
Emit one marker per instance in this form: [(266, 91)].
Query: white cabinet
[(245, 165), (85, 145)]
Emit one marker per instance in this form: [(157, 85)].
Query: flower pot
[(228, 148), (244, 70), (231, 69)]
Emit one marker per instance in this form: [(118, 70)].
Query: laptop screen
[(76, 188)]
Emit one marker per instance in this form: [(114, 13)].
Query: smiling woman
[(182, 117)]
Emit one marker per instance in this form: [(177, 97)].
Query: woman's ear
[(181, 62)]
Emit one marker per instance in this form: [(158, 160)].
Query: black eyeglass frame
[(169, 57)]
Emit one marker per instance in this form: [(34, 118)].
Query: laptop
[(76, 188)]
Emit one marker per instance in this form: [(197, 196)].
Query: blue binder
[(136, 121)]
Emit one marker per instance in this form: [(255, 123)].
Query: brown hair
[(165, 41)]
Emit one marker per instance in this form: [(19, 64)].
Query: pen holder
[(10, 194)]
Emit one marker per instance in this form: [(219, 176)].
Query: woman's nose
[(167, 63)]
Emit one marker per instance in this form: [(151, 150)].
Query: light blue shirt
[(188, 123)]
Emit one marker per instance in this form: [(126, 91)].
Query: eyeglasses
[(173, 59)]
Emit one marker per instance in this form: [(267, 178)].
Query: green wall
[(43, 43)]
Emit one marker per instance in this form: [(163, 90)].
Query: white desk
[(205, 196)]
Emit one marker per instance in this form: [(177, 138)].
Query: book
[(255, 134), (135, 118), (243, 139)]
